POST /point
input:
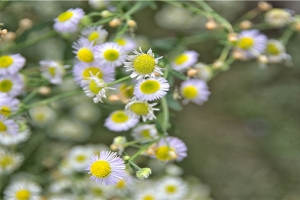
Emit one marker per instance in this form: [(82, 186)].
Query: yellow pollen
[(4, 110), (3, 127), (171, 189), (119, 117), (5, 61), (6, 161), (163, 153), (144, 64), (6, 85), (85, 55), (22, 194), (246, 43), (140, 108), (93, 36), (94, 88), (52, 70), (111, 54), (121, 42), (189, 92), (80, 158), (65, 16), (148, 197), (121, 184), (100, 169), (150, 86), (146, 133), (273, 49), (182, 58), (94, 70)]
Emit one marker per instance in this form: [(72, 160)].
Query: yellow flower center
[(65, 16), (119, 117), (111, 54), (148, 197), (100, 169), (144, 64), (94, 88), (146, 133), (81, 158), (121, 184), (93, 36), (22, 194), (171, 189), (52, 70), (121, 42), (163, 153), (127, 90), (150, 86), (182, 58), (246, 43), (6, 161), (94, 70), (4, 110), (6, 85), (189, 92), (140, 108), (273, 49), (5, 61), (40, 117), (85, 55), (97, 191)]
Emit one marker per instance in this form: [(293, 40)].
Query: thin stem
[(118, 81), (225, 52), (165, 110), (139, 152), (33, 93), (286, 36), (134, 165), (249, 15)]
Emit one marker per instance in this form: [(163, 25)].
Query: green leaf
[(178, 74), (173, 104)]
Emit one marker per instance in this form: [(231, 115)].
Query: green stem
[(248, 16), (286, 36), (165, 110), (33, 93), (139, 152), (134, 165), (225, 52), (118, 81), (121, 32), (135, 8)]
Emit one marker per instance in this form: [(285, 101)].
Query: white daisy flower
[(60, 186), (9, 161), (22, 190), (95, 88), (42, 115), (67, 22), (8, 126), (185, 60), (98, 4), (99, 192), (275, 51), (52, 71), (12, 85), (142, 65), (194, 90), (11, 64), (107, 169), (81, 71), (172, 188), (95, 34), (84, 50), (120, 121), (251, 43), (86, 112), (111, 54), (79, 158), (127, 43), (143, 109), (8, 105), (278, 17), (204, 72), (146, 194), (151, 89), (145, 133)]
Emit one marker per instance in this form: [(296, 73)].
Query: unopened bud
[(246, 24), (3, 32), (263, 59), (143, 173), (25, 23), (10, 36), (44, 90), (126, 157), (192, 72), (115, 23), (218, 64), (232, 37), (264, 6), (105, 14), (238, 55), (131, 23), (211, 25), (114, 97), (113, 147)]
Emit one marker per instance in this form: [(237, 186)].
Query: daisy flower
[(278, 17), (81, 71), (151, 89), (95, 88), (172, 188), (170, 148), (9, 161), (123, 187), (8, 105), (145, 133), (12, 85), (120, 121), (137, 108), (98, 191), (86, 112), (84, 50), (8, 126), (111, 54), (79, 158), (142, 65), (185, 60), (107, 169), (275, 51), (11, 64), (127, 43), (204, 72), (194, 90), (24, 190), (42, 116), (67, 22), (95, 34), (146, 194), (96, 148), (251, 43), (52, 71), (98, 4)]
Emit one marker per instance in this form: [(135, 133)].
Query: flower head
[(11, 64), (194, 90), (145, 133), (84, 50), (171, 188), (278, 17), (8, 104), (275, 51), (111, 54), (22, 190), (67, 22), (8, 126), (12, 85), (185, 60), (9, 161), (127, 43), (120, 121), (42, 116), (95, 34), (143, 173), (79, 157), (137, 108), (53, 71)]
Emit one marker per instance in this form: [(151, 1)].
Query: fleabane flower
[(278, 17), (81, 71), (8, 126), (95, 34), (79, 157), (137, 108), (67, 22), (275, 51), (42, 115), (53, 71), (172, 188), (107, 169), (194, 90), (145, 133), (170, 148), (151, 89), (142, 65), (22, 190), (251, 43), (11, 64), (185, 60), (111, 54), (84, 50), (12, 85), (8, 105), (9, 161), (120, 121), (127, 43), (146, 194), (95, 87)]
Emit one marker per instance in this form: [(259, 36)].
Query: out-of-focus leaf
[(178, 74), (173, 104)]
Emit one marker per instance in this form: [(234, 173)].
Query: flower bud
[(211, 25), (192, 72), (86, 20), (264, 6), (10, 36), (218, 64), (246, 24), (131, 23), (238, 55), (263, 59), (25, 23), (114, 97), (3, 32), (143, 173), (105, 14), (114, 23), (44, 90), (232, 37)]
